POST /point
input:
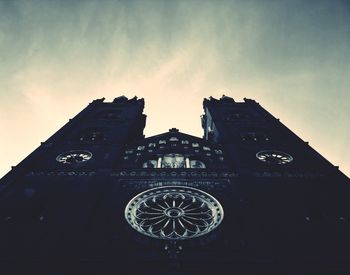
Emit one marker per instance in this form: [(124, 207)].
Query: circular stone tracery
[(274, 157), (74, 157), (174, 212)]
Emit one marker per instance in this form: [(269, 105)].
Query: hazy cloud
[(291, 56)]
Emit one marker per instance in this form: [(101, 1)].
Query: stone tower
[(249, 197)]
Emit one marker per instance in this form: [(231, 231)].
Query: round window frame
[(74, 152), (133, 206), (289, 158)]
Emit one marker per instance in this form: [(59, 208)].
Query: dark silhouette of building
[(249, 197)]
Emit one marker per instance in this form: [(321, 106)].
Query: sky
[(293, 57)]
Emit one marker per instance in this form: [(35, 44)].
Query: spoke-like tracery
[(274, 157), (174, 212), (74, 157)]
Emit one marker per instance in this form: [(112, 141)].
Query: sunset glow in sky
[(293, 57)]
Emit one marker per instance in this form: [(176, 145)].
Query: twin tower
[(250, 197)]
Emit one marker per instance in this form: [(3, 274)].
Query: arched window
[(197, 164), (173, 161), (152, 163)]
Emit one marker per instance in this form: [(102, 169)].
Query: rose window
[(274, 157), (74, 157), (174, 212)]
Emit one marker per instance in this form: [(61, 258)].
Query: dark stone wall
[(291, 218)]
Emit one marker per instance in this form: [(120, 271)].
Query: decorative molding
[(174, 174), (61, 173), (265, 174), (148, 183), (179, 174)]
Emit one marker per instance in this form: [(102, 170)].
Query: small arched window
[(197, 164), (152, 163), (173, 161)]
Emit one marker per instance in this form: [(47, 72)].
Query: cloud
[(291, 56)]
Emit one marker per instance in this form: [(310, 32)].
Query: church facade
[(248, 197)]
